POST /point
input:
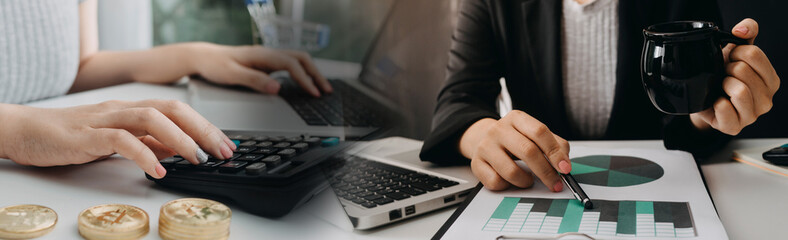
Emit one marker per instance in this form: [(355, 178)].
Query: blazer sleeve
[(471, 88)]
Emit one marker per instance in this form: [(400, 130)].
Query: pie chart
[(615, 171)]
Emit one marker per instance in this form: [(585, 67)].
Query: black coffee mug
[(682, 65)]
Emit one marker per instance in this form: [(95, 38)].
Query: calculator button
[(250, 157), (264, 144), (231, 166), (256, 168), (329, 142), (282, 145), (276, 139), (272, 160), (170, 160), (247, 143), (184, 165), (300, 147), (293, 139), (244, 149), (287, 153), (260, 138), (265, 151), (312, 141), (209, 165)]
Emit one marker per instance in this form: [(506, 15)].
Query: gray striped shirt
[(39, 48)]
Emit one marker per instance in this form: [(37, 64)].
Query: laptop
[(363, 207), (360, 108)]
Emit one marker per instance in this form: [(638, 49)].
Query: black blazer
[(520, 40)]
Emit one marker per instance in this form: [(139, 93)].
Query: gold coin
[(194, 218), (113, 221), (195, 212), (26, 221)]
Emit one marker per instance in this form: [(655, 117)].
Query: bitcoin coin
[(26, 221), (113, 221), (194, 218)]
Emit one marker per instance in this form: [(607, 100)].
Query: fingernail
[(741, 29), (226, 152), (202, 157), (230, 143), (565, 167), (558, 186), (160, 170), (272, 87)]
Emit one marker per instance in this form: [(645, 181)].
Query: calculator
[(778, 155), (268, 175)]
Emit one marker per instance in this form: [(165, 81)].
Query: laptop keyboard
[(329, 110), (370, 183)]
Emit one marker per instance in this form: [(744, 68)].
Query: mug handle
[(726, 37)]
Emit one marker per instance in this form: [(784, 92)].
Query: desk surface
[(744, 195)]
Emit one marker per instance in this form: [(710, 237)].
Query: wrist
[(8, 115), (473, 135), (193, 55)]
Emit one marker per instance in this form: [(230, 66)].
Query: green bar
[(572, 216), (626, 218), (645, 207), (506, 208), (557, 208)]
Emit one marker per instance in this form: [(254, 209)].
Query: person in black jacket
[(533, 45)]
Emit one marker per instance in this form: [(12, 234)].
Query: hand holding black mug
[(685, 72)]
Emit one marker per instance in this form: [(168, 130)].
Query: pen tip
[(588, 205)]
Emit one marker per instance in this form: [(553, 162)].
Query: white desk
[(748, 199)]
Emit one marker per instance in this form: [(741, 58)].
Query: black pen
[(576, 190)]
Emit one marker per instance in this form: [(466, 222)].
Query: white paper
[(681, 182)]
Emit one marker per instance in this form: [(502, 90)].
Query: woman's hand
[(493, 145), (249, 66), (143, 131), (750, 85)]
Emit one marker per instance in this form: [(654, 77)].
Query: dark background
[(772, 38)]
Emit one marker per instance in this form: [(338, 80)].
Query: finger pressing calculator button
[(256, 168)]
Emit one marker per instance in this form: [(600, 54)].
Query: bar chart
[(607, 218)]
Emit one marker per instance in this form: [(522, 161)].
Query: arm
[(466, 124), (246, 65), (471, 87)]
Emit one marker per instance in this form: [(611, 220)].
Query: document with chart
[(637, 193)]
